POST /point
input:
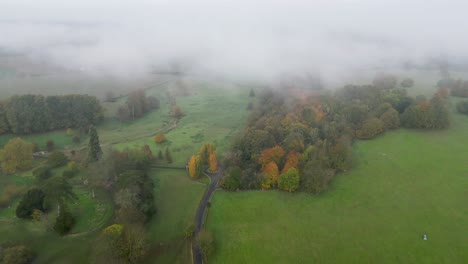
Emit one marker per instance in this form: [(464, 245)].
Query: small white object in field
[(424, 237)]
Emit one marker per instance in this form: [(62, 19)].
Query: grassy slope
[(404, 184)]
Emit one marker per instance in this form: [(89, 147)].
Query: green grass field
[(177, 198), (404, 184)]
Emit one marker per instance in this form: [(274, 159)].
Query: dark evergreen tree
[(64, 221), (160, 155), (168, 156), (33, 199), (94, 149)]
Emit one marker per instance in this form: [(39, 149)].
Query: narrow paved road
[(215, 177)]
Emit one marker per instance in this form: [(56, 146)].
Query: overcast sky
[(261, 38)]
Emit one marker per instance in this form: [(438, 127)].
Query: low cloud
[(244, 39)]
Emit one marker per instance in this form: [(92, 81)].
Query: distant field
[(405, 183), (213, 115)]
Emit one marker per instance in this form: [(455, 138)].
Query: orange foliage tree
[(213, 162), (273, 154), (159, 138), (271, 175), (291, 161)]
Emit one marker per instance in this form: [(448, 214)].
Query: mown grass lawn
[(404, 184)]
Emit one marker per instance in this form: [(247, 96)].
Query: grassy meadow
[(404, 184), (212, 115)]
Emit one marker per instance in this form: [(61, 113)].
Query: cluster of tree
[(205, 157), (125, 174), (54, 191), (137, 105), (301, 144), (35, 113), (432, 114), (458, 88), (121, 244)]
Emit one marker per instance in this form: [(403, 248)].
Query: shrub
[(57, 159), (370, 128), (207, 245), (18, 255), (42, 173)]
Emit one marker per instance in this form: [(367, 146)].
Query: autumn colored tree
[(160, 138), (289, 181), (16, 155), (292, 161), (273, 154), (195, 167), (271, 175), (205, 152), (213, 162)]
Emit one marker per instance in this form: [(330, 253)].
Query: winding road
[(199, 217)]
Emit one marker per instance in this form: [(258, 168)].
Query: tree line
[(24, 114), (301, 144)]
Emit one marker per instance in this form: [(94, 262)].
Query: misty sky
[(239, 38)]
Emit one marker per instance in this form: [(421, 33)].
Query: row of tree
[(23, 114), (205, 157)]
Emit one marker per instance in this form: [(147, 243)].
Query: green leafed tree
[(16, 155), (289, 181)]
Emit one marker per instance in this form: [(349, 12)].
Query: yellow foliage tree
[(16, 155), (213, 162), (205, 152), (192, 167)]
